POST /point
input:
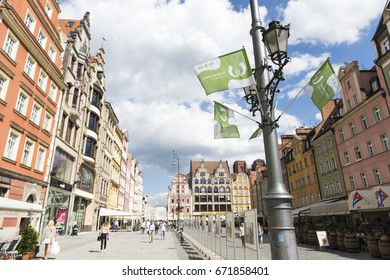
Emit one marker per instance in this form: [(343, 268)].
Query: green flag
[(224, 122), (256, 134), (323, 85), (225, 72)]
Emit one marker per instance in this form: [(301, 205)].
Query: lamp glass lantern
[(275, 39)]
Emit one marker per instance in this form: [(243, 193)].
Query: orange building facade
[(30, 94)]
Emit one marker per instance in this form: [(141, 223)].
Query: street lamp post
[(278, 200), (178, 191)]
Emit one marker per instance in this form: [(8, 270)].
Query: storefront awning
[(326, 208), (375, 199), (111, 212), (17, 208), (301, 211)]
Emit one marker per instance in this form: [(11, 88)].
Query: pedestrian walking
[(143, 225), (151, 231), (48, 237), (260, 232), (242, 234), (163, 228), (104, 236)]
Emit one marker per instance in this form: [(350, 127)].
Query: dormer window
[(375, 85), (385, 46)]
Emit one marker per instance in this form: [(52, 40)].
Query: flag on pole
[(323, 85), (256, 134), (225, 126), (225, 72)]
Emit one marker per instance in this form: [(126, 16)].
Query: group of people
[(260, 233), (153, 227)]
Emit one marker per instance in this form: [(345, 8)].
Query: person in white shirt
[(151, 231)]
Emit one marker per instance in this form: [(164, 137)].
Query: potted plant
[(351, 242), (331, 229), (384, 243), (28, 243), (373, 233)]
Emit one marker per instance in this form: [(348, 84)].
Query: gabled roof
[(211, 166)]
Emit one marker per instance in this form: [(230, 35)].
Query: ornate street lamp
[(261, 98)]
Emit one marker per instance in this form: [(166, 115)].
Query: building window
[(356, 99), (75, 98), (62, 166), (352, 182), (79, 72), (341, 135), (90, 145), (47, 122), (338, 186), (69, 23), (333, 163), (86, 177), (346, 158), (48, 10), (93, 123), (385, 46), (10, 45), (42, 80), (385, 142), (21, 104), (377, 176), (36, 114), (27, 152), (3, 85), (326, 188), (349, 104), (52, 53), (363, 178), (370, 148), (352, 129), (363, 121), (42, 39), (30, 22), (69, 131), (29, 68), (11, 149), (53, 92), (358, 154), (377, 113), (375, 86), (40, 159), (348, 85)]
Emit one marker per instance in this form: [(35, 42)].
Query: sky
[(150, 48)]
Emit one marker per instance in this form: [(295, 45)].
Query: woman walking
[(103, 233), (48, 237)]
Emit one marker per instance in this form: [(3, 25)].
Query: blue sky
[(152, 45)]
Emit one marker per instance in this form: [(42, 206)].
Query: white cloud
[(330, 22)]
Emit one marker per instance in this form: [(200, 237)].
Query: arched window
[(196, 189), (209, 189), (216, 189), (227, 181), (209, 181), (203, 181), (221, 189), (196, 181), (221, 181), (203, 189), (228, 189)]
